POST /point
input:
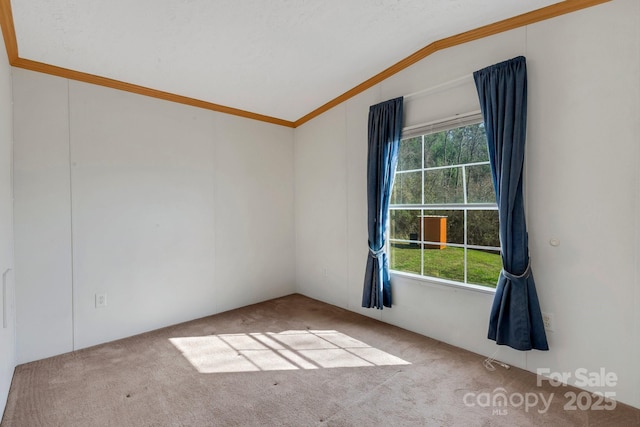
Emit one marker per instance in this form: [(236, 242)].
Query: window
[(443, 219)]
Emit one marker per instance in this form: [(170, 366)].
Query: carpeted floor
[(291, 361)]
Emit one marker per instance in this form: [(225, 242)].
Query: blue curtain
[(515, 318), (385, 130)]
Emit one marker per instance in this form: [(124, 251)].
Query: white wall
[(174, 212), (321, 207), (42, 213), (7, 311), (253, 174), (582, 187)]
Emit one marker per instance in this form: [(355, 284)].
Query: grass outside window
[(483, 267)]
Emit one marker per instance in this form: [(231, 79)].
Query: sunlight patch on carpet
[(288, 350)]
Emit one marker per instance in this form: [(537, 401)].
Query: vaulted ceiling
[(280, 59)]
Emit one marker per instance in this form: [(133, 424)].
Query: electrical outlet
[(549, 321), (324, 271), (101, 300)]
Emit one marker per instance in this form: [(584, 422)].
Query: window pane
[(483, 267), (454, 221), (405, 257), (467, 144), (437, 150), (474, 143), (480, 184), (404, 224), (447, 263), (410, 154), (443, 186), (483, 228), (407, 188)]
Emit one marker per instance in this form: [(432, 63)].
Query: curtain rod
[(440, 86)]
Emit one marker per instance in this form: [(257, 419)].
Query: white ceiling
[(280, 58)]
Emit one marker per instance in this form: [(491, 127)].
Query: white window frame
[(422, 130)]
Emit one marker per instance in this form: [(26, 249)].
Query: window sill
[(433, 281)]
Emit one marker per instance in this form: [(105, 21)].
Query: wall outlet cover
[(101, 300), (549, 321)]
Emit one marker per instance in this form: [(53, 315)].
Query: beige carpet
[(292, 361)]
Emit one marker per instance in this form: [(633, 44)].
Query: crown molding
[(40, 67), (10, 41), (552, 11), (532, 17)]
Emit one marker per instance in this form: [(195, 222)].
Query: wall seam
[(636, 398), (294, 240), (296, 257), (214, 141), (73, 296), (14, 311), (346, 201)]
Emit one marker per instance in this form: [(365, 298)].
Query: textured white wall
[(42, 213), (321, 207), (142, 212), (7, 310), (583, 187), (143, 200), (585, 141), (253, 174)]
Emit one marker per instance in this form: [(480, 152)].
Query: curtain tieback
[(513, 277), (376, 253)]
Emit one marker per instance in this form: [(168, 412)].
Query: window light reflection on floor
[(288, 350)]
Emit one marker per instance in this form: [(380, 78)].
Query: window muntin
[(443, 219)]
